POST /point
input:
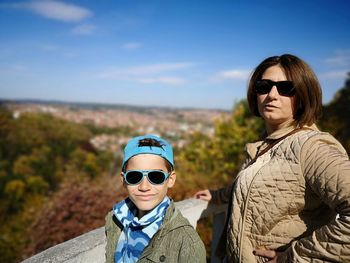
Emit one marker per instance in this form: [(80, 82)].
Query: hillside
[(59, 164)]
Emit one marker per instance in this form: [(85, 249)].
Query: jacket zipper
[(244, 215)]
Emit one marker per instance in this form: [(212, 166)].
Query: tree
[(216, 160), (14, 193), (76, 208), (35, 152), (336, 114)]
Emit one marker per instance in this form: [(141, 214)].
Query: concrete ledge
[(90, 247), (85, 248)]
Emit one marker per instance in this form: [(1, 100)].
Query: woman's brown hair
[(308, 96)]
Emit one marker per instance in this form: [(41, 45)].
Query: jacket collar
[(253, 148)]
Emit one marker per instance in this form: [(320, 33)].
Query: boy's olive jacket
[(175, 241)]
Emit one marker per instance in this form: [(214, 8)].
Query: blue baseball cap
[(133, 148)]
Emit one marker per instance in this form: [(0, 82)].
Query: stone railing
[(90, 247)]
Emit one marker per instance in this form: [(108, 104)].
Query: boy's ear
[(122, 178), (171, 179)]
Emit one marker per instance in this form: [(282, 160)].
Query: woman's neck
[(271, 128)]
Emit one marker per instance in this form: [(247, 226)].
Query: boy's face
[(145, 195)]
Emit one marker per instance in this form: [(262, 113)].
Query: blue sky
[(183, 53)]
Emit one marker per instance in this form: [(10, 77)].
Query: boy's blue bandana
[(136, 233)]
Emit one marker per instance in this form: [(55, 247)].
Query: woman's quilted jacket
[(295, 198)]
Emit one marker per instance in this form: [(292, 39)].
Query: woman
[(291, 200)]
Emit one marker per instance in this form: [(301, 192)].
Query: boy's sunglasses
[(134, 177), (284, 88)]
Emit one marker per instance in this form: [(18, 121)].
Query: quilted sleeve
[(326, 168)]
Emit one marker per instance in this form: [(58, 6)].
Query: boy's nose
[(144, 185)]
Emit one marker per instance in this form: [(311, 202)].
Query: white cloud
[(146, 70), (149, 74), (57, 50), (14, 69), (341, 58), (131, 46), (56, 10), (234, 74), (159, 68), (49, 47), (84, 29), (336, 74), (163, 80)]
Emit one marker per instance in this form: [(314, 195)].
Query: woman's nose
[(273, 92)]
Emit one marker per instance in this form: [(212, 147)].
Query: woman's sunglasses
[(284, 88), (134, 177)]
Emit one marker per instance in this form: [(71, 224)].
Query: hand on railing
[(203, 195)]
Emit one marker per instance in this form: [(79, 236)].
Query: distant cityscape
[(176, 124)]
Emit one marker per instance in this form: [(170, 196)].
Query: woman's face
[(275, 109)]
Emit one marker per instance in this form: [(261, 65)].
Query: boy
[(146, 226)]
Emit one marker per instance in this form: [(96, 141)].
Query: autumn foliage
[(76, 208), (54, 186)]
